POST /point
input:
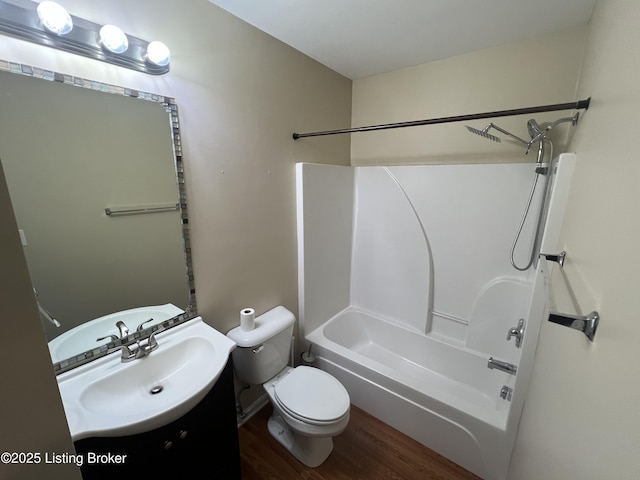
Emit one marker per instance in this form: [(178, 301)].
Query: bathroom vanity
[(170, 412), (202, 444)]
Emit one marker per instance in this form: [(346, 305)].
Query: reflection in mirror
[(95, 178)]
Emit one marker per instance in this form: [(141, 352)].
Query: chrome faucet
[(517, 332), (139, 350), (147, 348), (126, 356), (122, 328), (134, 350)]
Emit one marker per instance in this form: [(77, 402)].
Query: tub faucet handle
[(517, 332)]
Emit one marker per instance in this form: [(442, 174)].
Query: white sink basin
[(83, 337), (109, 398)]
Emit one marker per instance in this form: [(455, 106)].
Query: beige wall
[(523, 74), (31, 414), (241, 94), (581, 419)]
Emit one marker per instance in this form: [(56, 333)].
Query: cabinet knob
[(182, 435), (168, 444)]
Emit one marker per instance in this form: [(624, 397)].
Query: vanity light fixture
[(48, 24), (158, 54), (54, 18), (113, 39)]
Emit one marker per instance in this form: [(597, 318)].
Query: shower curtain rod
[(579, 105)]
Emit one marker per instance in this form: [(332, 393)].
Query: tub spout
[(502, 366)]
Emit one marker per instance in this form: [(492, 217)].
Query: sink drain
[(155, 390)]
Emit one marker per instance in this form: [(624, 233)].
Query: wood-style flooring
[(368, 449)]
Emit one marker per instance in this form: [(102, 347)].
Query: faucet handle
[(147, 348), (126, 356), (153, 343), (517, 332), (140, 327), (113, 338)]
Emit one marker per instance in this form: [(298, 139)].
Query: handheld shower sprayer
[(538, 135), (536, 132)]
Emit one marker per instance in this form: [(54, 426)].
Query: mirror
[(95, 178)]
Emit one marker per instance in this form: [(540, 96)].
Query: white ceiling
[(359, 38)]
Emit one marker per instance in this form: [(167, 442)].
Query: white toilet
[(309, 405)]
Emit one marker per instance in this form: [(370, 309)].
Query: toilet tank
[(264, 351)]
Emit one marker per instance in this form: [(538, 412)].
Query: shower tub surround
[(406, 291)]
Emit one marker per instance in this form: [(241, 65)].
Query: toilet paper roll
[(247, 319)]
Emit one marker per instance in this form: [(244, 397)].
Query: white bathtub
[(443, 396), (423, 252)]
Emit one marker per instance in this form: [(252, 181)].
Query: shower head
[(484, 132), (535, 131), (538, 132)]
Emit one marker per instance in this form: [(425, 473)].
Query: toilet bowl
[(310, 406)]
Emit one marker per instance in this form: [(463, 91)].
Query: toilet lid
[(312, 394)]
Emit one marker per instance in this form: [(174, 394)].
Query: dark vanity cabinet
[(203, 444)]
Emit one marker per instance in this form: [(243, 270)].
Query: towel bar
[(587, 324), (137, 210)]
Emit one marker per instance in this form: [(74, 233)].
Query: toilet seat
[(312, 396)]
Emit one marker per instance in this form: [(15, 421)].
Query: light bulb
[(158, 54), (113, 39), (54, 18)]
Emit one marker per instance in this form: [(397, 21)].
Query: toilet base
[(312, 451)]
